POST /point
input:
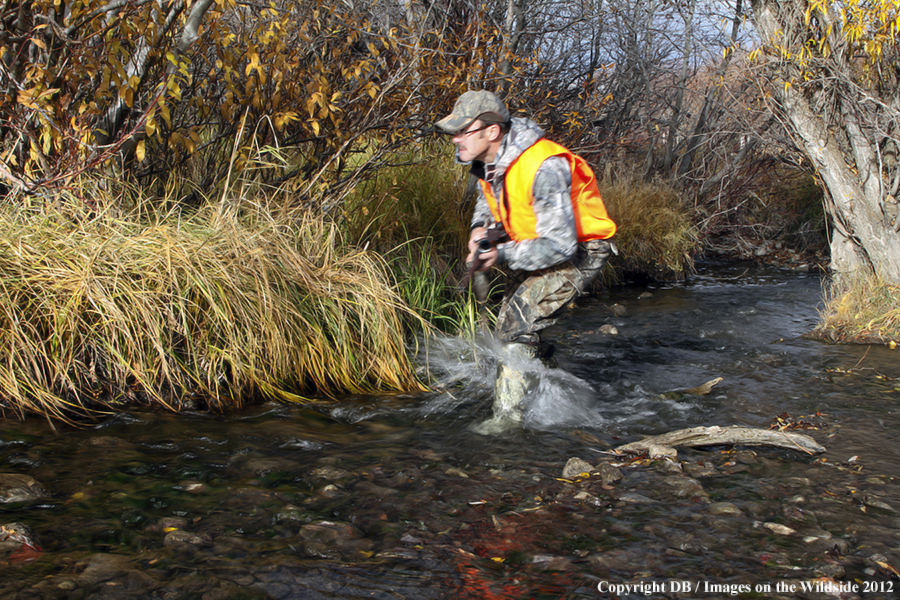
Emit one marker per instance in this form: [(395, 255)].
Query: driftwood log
[(722, 436)]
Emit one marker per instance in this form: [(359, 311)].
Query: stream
[(396, 497)]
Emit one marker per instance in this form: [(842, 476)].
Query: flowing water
[(398, 497)]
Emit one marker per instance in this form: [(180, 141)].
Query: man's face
[(473, 143)]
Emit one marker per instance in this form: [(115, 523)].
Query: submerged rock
[(686, 487), (15, 536), (15, 487), (725, 508), (329, 539), (575, 467)]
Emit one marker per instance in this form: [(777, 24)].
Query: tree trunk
[(839, 125), (513, 30), (675, 120)]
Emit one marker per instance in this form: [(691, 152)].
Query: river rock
[(833, 570), (724, 508), (177, 537), (657, 452), (102, 567), (608, 473), (686, 487), (575, 467), (779, 528), (15, 535), (588, 498), (330, 473), (16, 487), (635, 498), (335, 540), (609, 329), (697, 469), (546, 562)]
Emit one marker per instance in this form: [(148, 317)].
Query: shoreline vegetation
[(211, 307), (135, 300), (206, 203)]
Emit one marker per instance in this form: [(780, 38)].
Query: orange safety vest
[(515, 212)]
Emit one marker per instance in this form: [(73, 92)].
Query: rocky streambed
[(414, 521)]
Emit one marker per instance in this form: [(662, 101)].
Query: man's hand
[(489, 258)]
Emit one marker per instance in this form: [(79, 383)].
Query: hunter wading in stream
[(554, 231)]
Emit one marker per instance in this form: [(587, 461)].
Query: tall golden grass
[(413, 212), (860, 309), (655, 233), (101, 308)]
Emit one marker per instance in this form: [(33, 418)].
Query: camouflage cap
[(471, 106)]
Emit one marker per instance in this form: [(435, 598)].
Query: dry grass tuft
[(655, 234), (861, 309), (212, 308)]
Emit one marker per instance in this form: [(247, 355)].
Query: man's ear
[(496, 132)]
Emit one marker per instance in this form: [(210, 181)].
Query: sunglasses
[(471, 131)]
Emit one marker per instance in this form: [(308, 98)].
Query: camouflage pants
[(535, 298)]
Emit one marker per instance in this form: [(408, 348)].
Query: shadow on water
[(397, 497)]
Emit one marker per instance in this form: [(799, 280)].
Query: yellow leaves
[(188, 140), (140, 151), (253, 65), (35, 97), (283, 119)]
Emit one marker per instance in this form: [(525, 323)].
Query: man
[(546, 200)]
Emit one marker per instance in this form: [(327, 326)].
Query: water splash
[(463, 372)]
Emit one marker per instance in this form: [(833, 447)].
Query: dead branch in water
[(726, 436)]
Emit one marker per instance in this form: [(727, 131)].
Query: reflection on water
[(396, 497)]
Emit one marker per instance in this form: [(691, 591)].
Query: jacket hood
[(523, 133)]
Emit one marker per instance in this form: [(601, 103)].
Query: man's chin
[(461, 160)]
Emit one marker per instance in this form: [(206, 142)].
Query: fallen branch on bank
[(723, 436)]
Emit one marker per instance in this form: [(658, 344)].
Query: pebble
[(656, 452), (779, 528), (635, 498), (686, 487), (178, 536), (608, 473), (16, 487), (725, 508), (699, 470), (575, 467)]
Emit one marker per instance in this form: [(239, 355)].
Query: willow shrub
[(213, 308), (860, 309)]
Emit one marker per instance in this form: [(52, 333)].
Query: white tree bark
[(842, 144)]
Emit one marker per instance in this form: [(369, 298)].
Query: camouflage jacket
[(557, 237)]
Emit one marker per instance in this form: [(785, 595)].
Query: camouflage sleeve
[(482, 212), (557, 238)]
